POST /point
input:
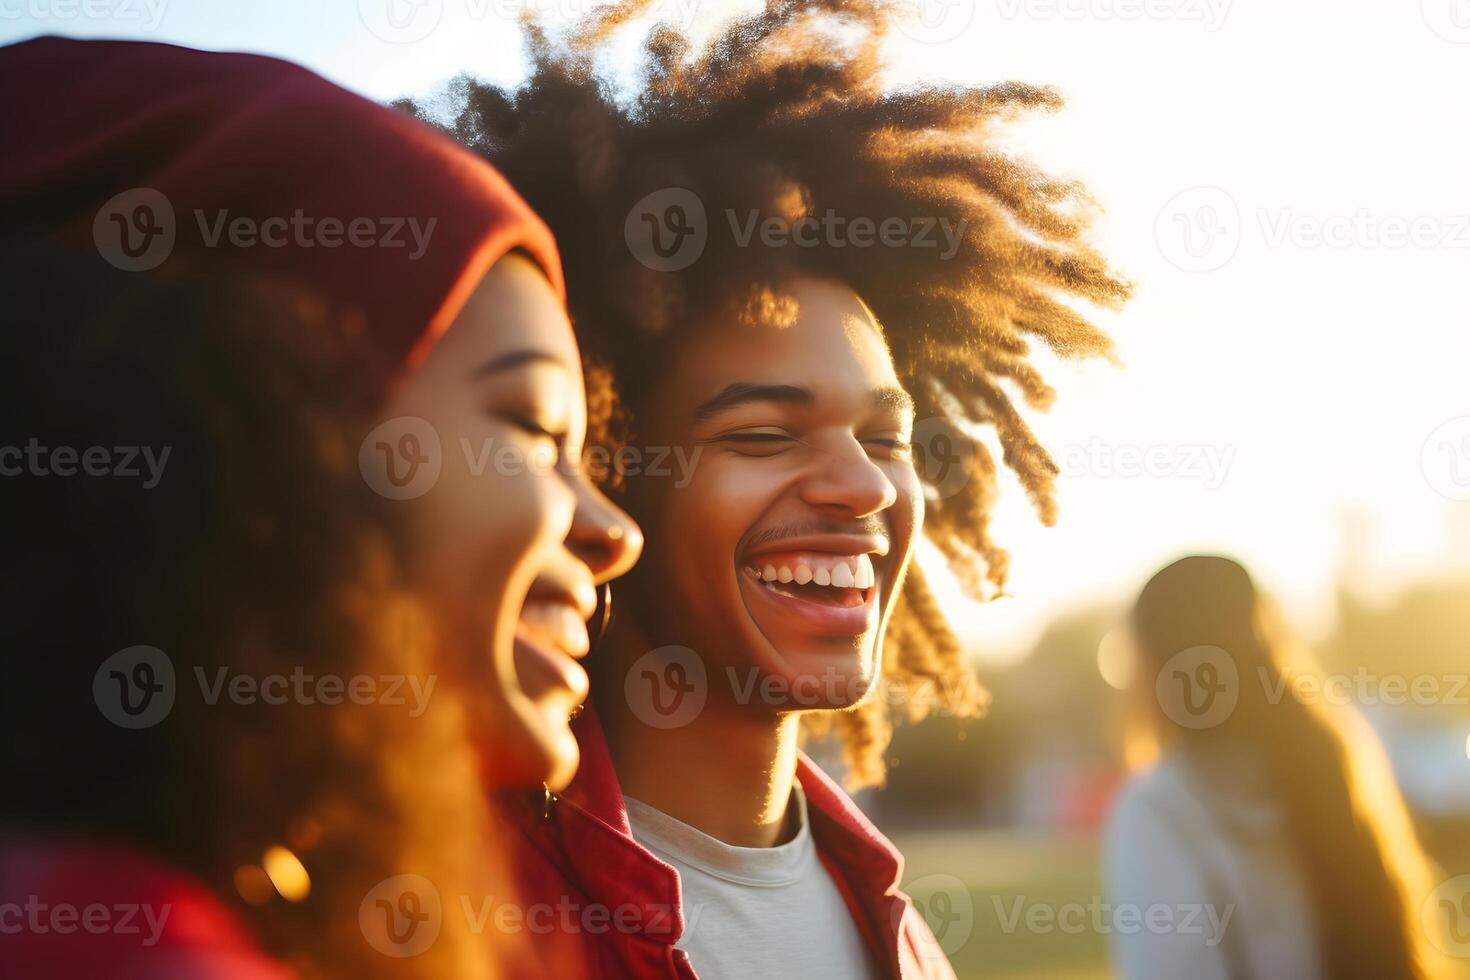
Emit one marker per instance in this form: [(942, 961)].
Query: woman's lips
[(546, 675), (557, 623), (550, 637)]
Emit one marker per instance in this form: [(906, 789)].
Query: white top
[(756, 911), (1202, 884)]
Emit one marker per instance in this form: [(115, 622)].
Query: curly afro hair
[(784, 113)]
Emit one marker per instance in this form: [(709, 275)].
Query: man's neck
[(728, 773)]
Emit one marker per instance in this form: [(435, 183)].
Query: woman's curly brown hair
[(785, 114), (260, 551)]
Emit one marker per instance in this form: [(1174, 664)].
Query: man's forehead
[(829, 331)]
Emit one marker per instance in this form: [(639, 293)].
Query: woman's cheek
[(527, 515)]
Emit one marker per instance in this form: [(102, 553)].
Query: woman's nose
[(605, 538)]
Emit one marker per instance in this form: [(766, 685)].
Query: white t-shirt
[(1216, 868), (756, 911)]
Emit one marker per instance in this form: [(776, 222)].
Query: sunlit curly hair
[(259, 551), (785, 113)]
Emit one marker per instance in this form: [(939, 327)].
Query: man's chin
[(802, 675)]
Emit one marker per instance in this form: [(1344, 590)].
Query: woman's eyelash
[(892, 443), (536, 429)]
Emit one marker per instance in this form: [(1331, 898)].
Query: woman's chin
[(532, 757), (561, 755)]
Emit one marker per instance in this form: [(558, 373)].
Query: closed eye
[(533, 428), (754, 437), (560, 441), (756, 443), (896, 447)]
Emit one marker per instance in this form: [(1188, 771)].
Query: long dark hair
[(1343, 820), (258, 550)]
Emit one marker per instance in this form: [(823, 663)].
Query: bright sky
[(1286, 182)]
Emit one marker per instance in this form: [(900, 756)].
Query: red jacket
[(100, 912), (591, 893)]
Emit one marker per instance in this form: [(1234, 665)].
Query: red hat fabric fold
[(155, 153)]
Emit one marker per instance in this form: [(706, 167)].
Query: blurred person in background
[(1269, 823), (260, 542)]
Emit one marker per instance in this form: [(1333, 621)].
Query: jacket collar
[(594, 845)]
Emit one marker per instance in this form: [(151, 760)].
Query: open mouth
[(844, 581), (822, 593), (551, 636), (555, 623)]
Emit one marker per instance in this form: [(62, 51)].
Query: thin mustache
[(872, 525)]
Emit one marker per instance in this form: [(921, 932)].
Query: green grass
[(998, 869), (986, 867)]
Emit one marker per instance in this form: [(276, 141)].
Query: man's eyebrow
[(893, 397), (742, 393), (515, 359)]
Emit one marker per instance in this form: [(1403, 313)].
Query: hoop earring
[(601, 616)]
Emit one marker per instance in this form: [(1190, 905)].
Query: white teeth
[(845, 573)]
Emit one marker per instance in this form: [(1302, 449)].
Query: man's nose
[(847, 477)]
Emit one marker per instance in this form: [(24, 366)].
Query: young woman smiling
[(276, 374)]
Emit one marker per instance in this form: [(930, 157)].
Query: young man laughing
[(801, 370), (764, 596)]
